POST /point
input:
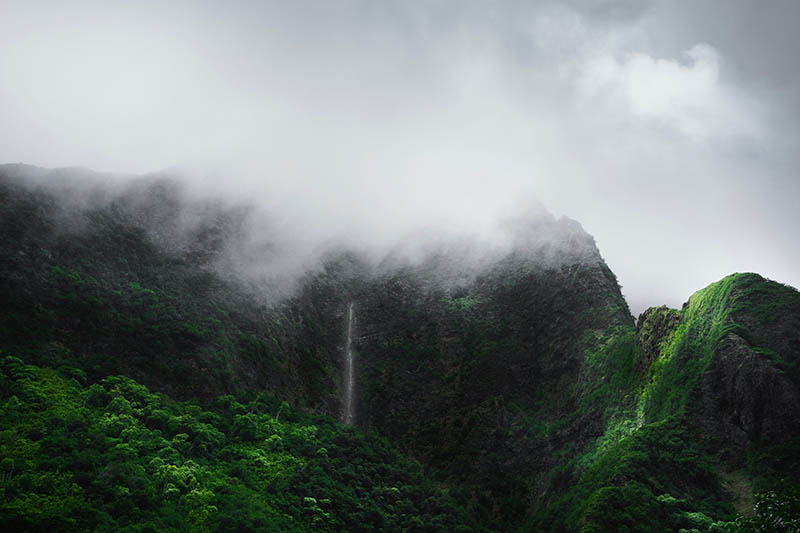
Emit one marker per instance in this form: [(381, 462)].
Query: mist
[(668, 130)]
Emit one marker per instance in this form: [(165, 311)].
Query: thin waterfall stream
[(349, 378)]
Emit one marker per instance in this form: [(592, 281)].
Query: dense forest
[(148, 384)]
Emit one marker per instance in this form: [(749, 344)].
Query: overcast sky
[(668, 129)]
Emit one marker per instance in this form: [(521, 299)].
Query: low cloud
[(371, 122), (687, 96)]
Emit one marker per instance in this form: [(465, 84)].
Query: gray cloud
[(670, 130)]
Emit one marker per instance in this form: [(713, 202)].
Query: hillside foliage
[(113, 456), (145, 386)]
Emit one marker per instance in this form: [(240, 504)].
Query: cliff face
[(744, 391), (474, 378), (713, 420), (516, 377), (99, 280)]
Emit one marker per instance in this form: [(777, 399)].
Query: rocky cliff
[(516, 375)]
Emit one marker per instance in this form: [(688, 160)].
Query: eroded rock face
[(653, 327), (750, 395), (743, 398), (743, 344), (463, 377), (747, 398)]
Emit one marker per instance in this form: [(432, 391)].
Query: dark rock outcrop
[(653, 327)]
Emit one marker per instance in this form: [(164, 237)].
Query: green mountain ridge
[(512, 393)]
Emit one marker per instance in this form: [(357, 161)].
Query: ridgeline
[(145, 387)]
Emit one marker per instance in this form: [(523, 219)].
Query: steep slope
[(127, 279), (717, 420), (474, 378), (492, 382), (98, 280), (731, 364), (515, 376)]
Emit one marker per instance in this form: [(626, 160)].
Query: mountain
[(494, 389)]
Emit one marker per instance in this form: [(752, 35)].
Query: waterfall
[(349, 376)]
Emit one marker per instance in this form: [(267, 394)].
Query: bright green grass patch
[(688, 351), (710, 316)]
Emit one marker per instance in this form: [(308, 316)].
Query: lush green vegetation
[(112, 456), (655, 479), (657, 467), (476, 389), (524, 390), (744, 304), (91, 288), (687, 352)]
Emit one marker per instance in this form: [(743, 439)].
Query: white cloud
[(371, 120), (687, 96)]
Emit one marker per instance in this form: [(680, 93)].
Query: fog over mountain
[(668, 129)]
